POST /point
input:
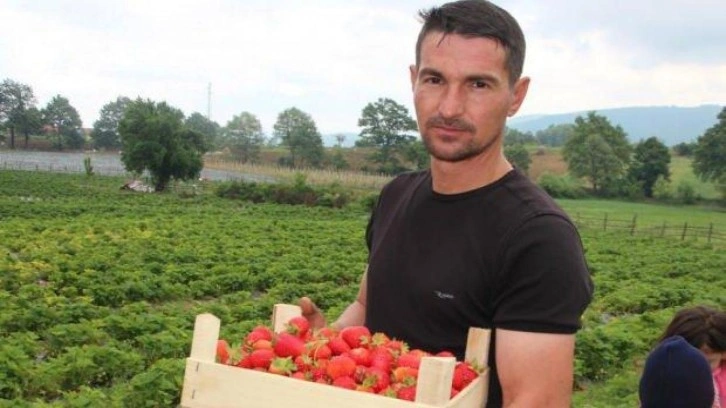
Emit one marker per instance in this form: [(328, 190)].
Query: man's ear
[(520, 92), (414, 75)]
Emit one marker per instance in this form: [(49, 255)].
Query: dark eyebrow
[(470, 78)]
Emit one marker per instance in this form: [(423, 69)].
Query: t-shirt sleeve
[(544, 283)]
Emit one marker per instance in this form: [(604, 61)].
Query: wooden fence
[(710, 233)]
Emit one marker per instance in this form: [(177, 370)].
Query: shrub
[(561, 186), (662, 189), (686, 193)]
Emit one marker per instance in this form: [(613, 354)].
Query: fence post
[(632, 226), (685, 228), (710, 232), (605, 223)]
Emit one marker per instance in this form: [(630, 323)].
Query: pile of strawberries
[(351, 358)]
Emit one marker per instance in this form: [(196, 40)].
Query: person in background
[(471, 241), (704, 328), (676, 375)]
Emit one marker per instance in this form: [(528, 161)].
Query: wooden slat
[(433, 386), (477, 346), (206, 333)]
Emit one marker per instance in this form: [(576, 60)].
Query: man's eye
[(480, 84), (432, 80)]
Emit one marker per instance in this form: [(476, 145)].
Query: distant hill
[(670, 124)]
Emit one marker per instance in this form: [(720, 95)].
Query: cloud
[(330, 58)]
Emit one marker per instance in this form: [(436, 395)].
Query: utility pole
[(209, 101)]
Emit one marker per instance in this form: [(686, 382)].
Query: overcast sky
[(330, 58)]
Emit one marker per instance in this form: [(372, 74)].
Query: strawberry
[(356, 336), (340, 366), (464, 374), (287, 345), (245, 361), (222, 351), (405, 375), (361, 356), (407, 393), (445, 354), (261, 358), (298, 326), (282, 366), (261, 344), (258, 333), (318, 350), (338, 346), (382, 358), (377, 378), (411, 359), (345, 382)]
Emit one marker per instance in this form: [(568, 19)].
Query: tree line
[(158, 138)]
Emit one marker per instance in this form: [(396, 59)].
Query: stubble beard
[(467, 151)]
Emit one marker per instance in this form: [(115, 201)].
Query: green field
[(99, 287)]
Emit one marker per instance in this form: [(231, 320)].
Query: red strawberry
[(345, 382), (407, 393), (245, 361), (382, 358), (361, 356), (325, 333), (377, 378), (338, 346), (261, 344), (445, 354), (319, 350), (411, 359), (355, 336), (464, 374), (298, 326), (261, 358), (258, 333), (340, 366), (288, 345), (222, 351)]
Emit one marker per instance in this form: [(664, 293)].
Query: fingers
[(307, 306)]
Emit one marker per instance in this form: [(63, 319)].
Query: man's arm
[(353, 315), (535, 369)]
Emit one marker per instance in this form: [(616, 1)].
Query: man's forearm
[(353, 315)]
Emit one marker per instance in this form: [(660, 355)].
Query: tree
[(514, 136), (518, 155), (709, 157), (209, 128), (297, 131), (650, 161), (243, 135), (154, 139), (105, 132), (16, 100), (684, 149), (65, 121), (598, 151), (385, 124), (29, 122), (554, 135)]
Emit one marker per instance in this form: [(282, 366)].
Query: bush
[(662, 189), (296, 193), (561, 186), (686, 193)]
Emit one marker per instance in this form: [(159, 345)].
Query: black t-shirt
[(501, 256)]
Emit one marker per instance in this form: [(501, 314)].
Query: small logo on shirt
[(442, 295)]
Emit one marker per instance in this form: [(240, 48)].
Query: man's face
[(462, 95)]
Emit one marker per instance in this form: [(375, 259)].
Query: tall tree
[(518, 155), (385, 125), (154, 139), (297, 131), (65, 121), (598, 151), (554, 135), (650, 161), (244, 137), (105, 132), (16, 100), (514, 136), (709, 157), (207, 127)]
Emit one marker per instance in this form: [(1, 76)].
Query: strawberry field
[(99, 287)]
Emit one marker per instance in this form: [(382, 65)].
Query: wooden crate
[(208, 384)]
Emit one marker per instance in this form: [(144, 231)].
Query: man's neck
[(467, 175)]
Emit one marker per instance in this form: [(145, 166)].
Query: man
[(471, 242)]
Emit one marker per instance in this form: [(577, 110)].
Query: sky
[(330, 58)]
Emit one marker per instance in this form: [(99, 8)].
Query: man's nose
[(452, 103)]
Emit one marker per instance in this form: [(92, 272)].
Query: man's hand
[(311, 312)]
